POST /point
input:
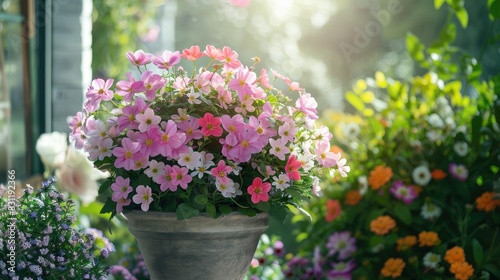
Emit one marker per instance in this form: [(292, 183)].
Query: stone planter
[(197, 248)]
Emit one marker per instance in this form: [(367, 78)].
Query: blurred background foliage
[(324, 44)]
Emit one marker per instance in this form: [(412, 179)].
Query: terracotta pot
[(197, 248)]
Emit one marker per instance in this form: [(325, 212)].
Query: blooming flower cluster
[(219, 138), (47, 246), (417, 205)]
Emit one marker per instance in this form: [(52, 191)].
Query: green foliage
[(117, 29)]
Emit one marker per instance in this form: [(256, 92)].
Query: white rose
[(52, 149), (78, 175)]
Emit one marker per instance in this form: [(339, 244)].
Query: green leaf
[(463, 16), (109, 206), (476, 131), (477, 251), (105, 186), (493, 269), (415, 47), (92, 208), (438, 4), (263, 206), (494, 6), (186, 211), (355, 101), (201, 199), (210, 208), (225, 209), (403, 213), (278, 213), (247, 211)]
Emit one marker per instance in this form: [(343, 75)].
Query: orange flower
[(382, 225), (406, 242), (379, 176), (393, 267), (438, 174), (428, 238), (486, 202), (332, 210), (352, 197), (455, 255), (462, 270)]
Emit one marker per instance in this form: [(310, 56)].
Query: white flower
[(316, 189), (191, 160), (281, 182), (435, 121), (432, 260), (363, 184), (52, 148), (430, 211), (351, 130), (230, 189), (461, 148), (77, 175), (421, 175), (193, 97), (433, 135)]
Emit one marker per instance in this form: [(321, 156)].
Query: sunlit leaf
[(355, 101), (380, 80), (463, 16), (415, 47), (368, 112), (438, 4), (367, 96)]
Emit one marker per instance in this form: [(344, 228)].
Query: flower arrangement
[(218, 139), (39, 240)]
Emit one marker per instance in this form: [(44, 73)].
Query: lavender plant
[(39, 239)]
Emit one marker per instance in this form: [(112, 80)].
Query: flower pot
[(198, 248)]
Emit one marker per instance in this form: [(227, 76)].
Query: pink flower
[(341, 167), (242, 83), (307, 104), (325, 157), (287, 131), (405, 193), (264, 78), (143, 197), (232, 124), (170, 138), (121, 188), (98, 91), (230, 58), (152, 83), (292, 85), (139, 58), (224, 96), (248, 144), (150, 142), (125, 154), (127, 89), (213, 53), (210, 125), (220, 172), (147, 120), (165, 179), (245, 106), (192, 53), (292, 168), (279, 148), (190, 129), (167, 60), (458, 171), (122, 202), (259, 190), (180, 177)]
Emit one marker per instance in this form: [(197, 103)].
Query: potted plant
[(220, 141)]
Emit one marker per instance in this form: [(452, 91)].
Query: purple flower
[(458, 171), (341, 243), (402, 192), (341, 270), (279, 248)]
